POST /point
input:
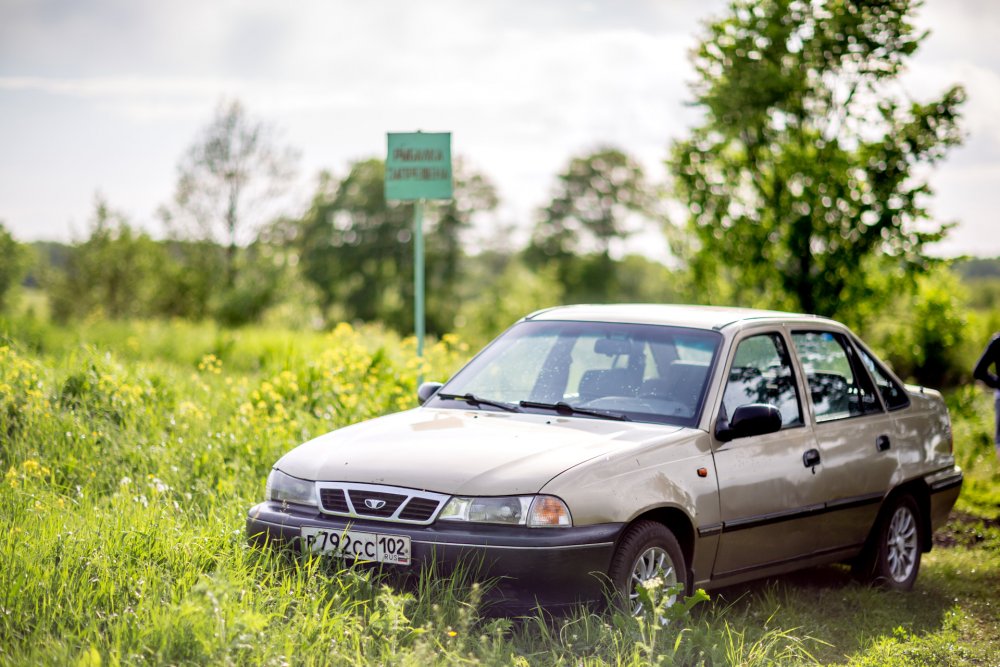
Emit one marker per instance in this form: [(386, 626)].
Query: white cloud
[(106, 94)]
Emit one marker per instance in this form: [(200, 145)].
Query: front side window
[(644, 372), (838, 388), (762, 373)]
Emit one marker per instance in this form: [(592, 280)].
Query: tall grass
[(129, 456)]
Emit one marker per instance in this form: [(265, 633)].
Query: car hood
[(464, 452)]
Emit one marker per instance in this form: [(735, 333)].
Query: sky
[(105, 96)]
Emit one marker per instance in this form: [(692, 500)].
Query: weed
[(130, 453)]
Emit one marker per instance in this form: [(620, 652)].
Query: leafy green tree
[(642, 280), (354, 248), (982, 277), (115, 272), (228, 180), (357, 248), (924, 333), (13, 265), (448, 224), (263, 274), (602, 197), (805, 167), (506, 289), (984, 293), (190, 285)]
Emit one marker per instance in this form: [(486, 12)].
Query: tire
[(892, 558), (647, 549)]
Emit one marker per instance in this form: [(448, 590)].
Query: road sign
[(418, 166)]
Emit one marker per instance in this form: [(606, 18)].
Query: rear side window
[(838, 387), (892, 393)]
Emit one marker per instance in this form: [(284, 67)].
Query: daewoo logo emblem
[(374, 503)]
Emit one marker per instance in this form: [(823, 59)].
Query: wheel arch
[(920, 492), (677, 522)]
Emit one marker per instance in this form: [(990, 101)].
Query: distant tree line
[(802, 188)]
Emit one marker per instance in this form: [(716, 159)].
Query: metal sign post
[(418, 275), (418, 168)]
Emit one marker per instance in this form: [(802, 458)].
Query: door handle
[(811, 459), (882, 443)]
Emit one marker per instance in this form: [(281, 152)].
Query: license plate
[(376, 547)]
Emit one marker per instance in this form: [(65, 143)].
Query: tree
[(14, 264), (924, 333), (505, 291), (594, 200), (805, 166), (448, 224), (228, 177), (190, 279), (357, 248), (602, 197), (115, 272), (264, 278), (353, 247)]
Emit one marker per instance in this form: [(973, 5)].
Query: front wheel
[(647, 550), (893, 560)]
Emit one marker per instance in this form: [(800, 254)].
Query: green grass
[(130, 452)]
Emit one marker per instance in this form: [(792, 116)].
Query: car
[(591, 448)]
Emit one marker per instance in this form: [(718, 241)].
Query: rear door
[(854, 433)]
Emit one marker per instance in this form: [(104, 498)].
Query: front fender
[(621, 486), (659, 481)]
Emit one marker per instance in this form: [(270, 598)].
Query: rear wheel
[(647, 550), (893, 558)]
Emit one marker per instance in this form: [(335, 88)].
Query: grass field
[(131, 452)]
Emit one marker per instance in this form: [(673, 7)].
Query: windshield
[(642, 372)]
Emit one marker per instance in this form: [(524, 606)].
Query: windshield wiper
[(476, 401), (565, 408)]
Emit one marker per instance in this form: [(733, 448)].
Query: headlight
[(288, 489), (533, 511)]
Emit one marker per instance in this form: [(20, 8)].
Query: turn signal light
[(549, 511)]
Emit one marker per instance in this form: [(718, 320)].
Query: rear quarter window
[(892, 392)]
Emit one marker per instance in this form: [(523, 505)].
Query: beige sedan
[(590, 448)]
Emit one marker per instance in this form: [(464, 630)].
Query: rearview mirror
[(426, 390), (748, 420), (612, 347)]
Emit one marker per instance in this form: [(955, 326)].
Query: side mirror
[(426, 390), (748, 420)]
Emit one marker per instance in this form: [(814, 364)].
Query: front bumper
[(551, 567)]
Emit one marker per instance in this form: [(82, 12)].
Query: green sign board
[(418, 166)]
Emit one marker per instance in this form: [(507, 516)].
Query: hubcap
[(902, 544), (651, 563)]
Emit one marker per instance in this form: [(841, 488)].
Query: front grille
[(347, 499), (419, 509), (390, 502), (334, 500)]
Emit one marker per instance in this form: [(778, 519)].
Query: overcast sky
[(105, 95)]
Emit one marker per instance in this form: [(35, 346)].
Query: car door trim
[(759, 520), (755, 521), (785, 561)]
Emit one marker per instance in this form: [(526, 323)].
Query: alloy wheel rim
[(902, 544), (651, 563)]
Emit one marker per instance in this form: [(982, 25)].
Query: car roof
[(698, 317)]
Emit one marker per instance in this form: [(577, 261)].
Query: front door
[(768, 496)]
